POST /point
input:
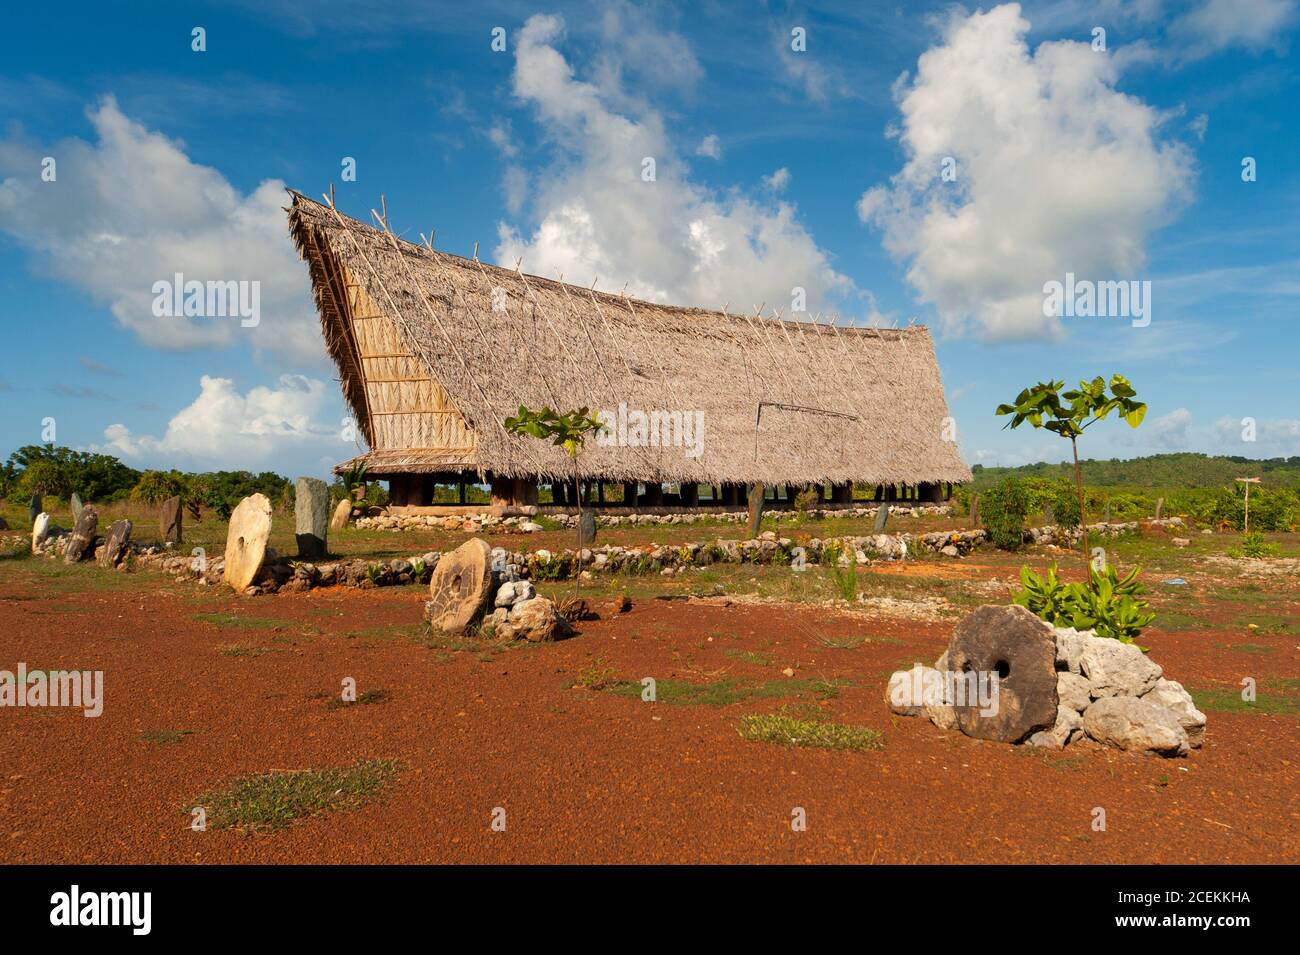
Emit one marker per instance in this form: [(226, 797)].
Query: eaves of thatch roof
[(449, 347)]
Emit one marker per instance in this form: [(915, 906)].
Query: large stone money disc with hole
[(459, 586), (1021, 648), (250, 528)]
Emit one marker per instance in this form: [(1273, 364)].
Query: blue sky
[(775, 168)]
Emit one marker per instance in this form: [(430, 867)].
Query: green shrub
[(805, 501), (1106, 603), (1065, 508), (844, 579), (1002, 509), (1253, 545)]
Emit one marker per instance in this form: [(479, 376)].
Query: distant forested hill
[(1185, 470)]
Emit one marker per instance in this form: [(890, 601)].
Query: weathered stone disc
[(250, 528), (82, 535), (459, 586), (1021, 648)]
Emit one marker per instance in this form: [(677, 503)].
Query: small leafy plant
[(844, 579), (1106, 603), (1253, 545), (1070, 413), (1003, 508)]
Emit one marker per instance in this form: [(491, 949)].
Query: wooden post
[(690, 496), (654, 494), (629, 493), (1248, 482)]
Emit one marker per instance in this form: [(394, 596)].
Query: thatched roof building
[(435, 351)]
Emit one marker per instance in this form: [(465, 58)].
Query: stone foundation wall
[(280, 574)]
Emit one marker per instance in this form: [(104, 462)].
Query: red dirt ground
[(584, 776)]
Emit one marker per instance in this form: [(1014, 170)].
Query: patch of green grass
[(595, 676), (786, 730), (1282, 702), (843, 643), (728, 691), (162, 737), (274, 799), (749, 656), (1267, 623), (368, 697), (243, 650), (219, 619)]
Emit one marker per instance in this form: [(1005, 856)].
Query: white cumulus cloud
[(131, 209), (1056, 171), (669, 239), (223, 429)]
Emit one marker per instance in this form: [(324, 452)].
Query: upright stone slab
[(974, 510), (83, 535), (170, 521), (311, 513), (587, 529), (342, 514), (115, 544), (250, 528), (40, 530), (757, 501), (1021, 648), (34, 508), (882, 517), (1160, 508), (459, 587), (76, 506)]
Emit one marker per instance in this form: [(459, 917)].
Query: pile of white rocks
[(477, 589), (1070, 536), (524, 522), (473, 523), (1056, 686), (898, 509)]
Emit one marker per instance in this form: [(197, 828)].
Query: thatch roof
[(431, 370)]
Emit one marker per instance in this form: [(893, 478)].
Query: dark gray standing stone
[(311, 514), (757, 501), (170, 521), (83, 535), (1021, 648), (587, 529), (115, 544), (76, 506), (34, 508), (1049, 515), (882, 516)]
